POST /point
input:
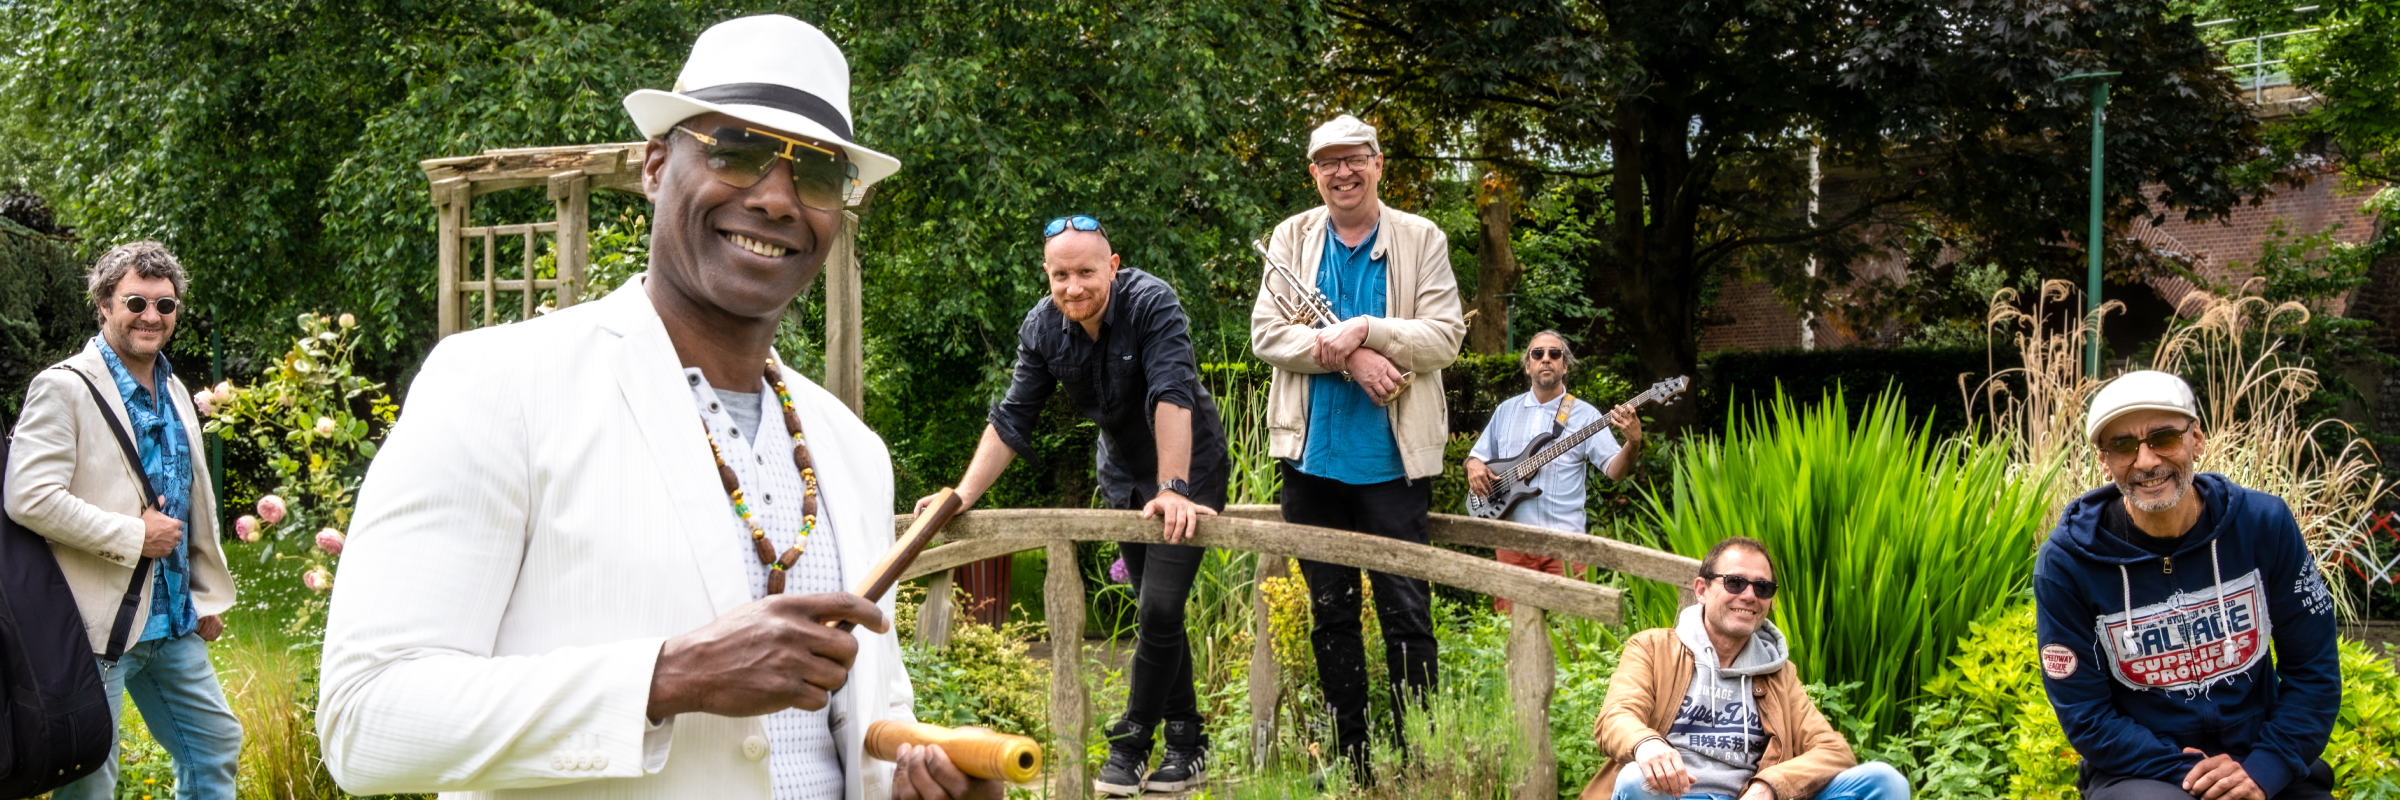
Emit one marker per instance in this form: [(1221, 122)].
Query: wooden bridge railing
[(1532, 664)]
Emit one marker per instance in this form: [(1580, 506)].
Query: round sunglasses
[(137, 304), (821, 178), (1079, 222)]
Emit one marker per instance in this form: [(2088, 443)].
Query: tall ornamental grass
[(1887, 544)]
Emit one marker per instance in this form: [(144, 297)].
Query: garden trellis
[(571, 173)]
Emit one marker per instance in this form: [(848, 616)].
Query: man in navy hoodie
[(2178, 699)]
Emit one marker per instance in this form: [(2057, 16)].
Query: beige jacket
[(1420, 332), (1655, 671), (69, 481)]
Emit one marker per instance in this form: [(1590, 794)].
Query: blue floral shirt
[(166, 450), (1349, 436)]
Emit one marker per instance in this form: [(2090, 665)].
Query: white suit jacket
[(543, 517)]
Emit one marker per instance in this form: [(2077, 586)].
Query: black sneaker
[(1186, 763), (1128, 759)]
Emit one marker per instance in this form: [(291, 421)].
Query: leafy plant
[(1888, 546), (313, 422)]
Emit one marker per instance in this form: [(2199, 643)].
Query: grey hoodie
[(1717, 730)]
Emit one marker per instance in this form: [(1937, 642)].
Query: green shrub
[(43, 314), (983, 678), (1887, 545)]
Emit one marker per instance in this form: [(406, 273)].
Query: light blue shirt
[(1349, 436), (1516, 422)]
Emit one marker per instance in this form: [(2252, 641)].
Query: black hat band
[(780, 98)]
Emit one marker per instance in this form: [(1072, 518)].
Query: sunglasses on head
[(821, 178), (1736, 584), (2164, 440), (137, 304), (1547, 353), (1078, 222)]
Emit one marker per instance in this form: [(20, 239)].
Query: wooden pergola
[(472, 275)]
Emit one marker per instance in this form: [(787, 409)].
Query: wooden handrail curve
[(1002, 531)]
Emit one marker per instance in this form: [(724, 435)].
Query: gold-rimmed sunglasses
[(821, 178)]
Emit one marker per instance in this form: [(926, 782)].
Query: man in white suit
[(568, 572)]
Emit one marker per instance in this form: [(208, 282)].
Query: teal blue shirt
[(159, 436), (1349, 436)]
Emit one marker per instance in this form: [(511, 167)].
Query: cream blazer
[(543, 517), (69, 481)]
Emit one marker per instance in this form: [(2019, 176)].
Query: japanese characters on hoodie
[(1718, 730), (2188, 667)]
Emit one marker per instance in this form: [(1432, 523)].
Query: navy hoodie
[(2190, 668)]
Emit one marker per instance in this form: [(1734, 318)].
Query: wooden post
[(933, 620), (1532, 679), (845, 321), (450, 214), (572, 192), (1063, 600), (1266, 678)]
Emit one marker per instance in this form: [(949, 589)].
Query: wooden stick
[(895, 562), (990, 755)]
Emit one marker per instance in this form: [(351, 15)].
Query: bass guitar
[(1512, 477)]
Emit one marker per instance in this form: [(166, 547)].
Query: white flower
[(324, 426), (349, 321)]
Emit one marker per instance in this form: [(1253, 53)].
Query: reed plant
[(1887, 544), (2251, 390)]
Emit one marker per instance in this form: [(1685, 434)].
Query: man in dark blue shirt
[(1118, 341)]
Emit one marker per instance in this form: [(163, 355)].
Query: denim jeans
[(1394, 509), (176, 688), (1873, 780)]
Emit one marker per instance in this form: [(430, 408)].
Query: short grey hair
[(1525, 359), (146, 258)]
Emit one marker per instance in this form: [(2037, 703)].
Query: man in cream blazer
[(547, 590)]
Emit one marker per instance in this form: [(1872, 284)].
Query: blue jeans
[(176, 687), (1873, 780)]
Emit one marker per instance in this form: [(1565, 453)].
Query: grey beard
[(2183, 486)]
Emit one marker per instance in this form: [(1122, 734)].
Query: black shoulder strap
[(123, 627)]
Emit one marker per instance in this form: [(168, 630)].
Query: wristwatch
[(1177, 486)]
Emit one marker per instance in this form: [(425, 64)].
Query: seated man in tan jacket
[(1712, 708)]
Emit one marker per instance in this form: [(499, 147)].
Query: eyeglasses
[(741, 156), (1736, 584), (137, 304), (1547, 353), (2164, 441), (1079, 222), (1358, 162)]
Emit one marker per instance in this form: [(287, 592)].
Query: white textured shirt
[(1516, 422), (800, 747)]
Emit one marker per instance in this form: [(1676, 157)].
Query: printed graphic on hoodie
[(1730, 733), (2191, 641)]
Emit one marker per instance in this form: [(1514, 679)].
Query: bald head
[(1080, 267)]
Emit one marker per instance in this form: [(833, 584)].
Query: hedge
[(42, 313)]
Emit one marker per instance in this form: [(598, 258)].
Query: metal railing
[(2253, 74)]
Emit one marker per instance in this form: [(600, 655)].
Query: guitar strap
[(1566, 406)]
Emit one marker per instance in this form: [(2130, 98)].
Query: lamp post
[(2091, 292)]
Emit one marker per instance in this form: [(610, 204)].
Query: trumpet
[(1305, 304)]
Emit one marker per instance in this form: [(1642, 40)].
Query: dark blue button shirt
[(1142, 357), (166, 450), (1349, 436)]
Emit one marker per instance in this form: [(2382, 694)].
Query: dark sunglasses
[(137, 304), (1736, 584), (2166, 440), (821, 178), (1546, 353), (1079, 221)]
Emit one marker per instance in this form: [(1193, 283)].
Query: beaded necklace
[(776, 566)]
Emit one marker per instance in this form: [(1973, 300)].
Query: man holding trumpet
[(1358, 313), (604, 552)]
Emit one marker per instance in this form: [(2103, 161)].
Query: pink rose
[(245, 528), (224, 389), (318, 578), (330, 541), (270, 508), (205, 402)]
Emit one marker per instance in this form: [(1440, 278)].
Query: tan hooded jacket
[(1803, 752), (1420, 332)]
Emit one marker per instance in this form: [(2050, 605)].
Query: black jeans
[(1394, 509), (1161, 689), (2316, 785)]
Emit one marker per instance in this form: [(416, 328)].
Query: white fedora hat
[(772, 70)]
